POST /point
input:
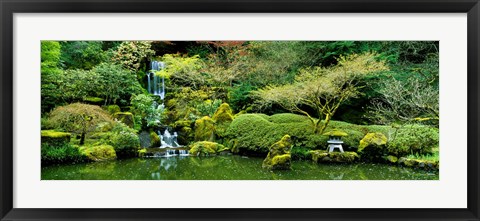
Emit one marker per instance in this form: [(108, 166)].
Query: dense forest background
[(201, 75)]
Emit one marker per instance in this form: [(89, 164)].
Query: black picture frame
[(9, 7)]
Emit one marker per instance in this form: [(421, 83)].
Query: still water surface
[(226, 168)]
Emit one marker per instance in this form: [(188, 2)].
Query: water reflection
[(226, 168)]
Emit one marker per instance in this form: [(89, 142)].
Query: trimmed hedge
[(253, 134)]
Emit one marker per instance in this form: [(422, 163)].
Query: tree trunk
[(327, 120), (82, 139), (316, 124)]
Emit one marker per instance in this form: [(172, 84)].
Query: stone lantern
[(335, 140)]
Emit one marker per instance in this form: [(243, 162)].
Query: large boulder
[(223, 117), (373, 146), (126, 118), (206, 148), (55, 138), (99, 153), (279, 155), (204, 129)]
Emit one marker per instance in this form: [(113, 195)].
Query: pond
[(232, 167)]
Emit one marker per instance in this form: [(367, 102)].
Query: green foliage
[(125, 117), (254, 133), (82, 54), (435, 156), (98, 153), (130, 54), (208, 107), (50, 72), (183, 71), (50, 57), (114, 82), (55, 138), (239, 96), (65, 153), (146, 111), (106, 83), (79, 118), (112, 109), (414, 139), (124, 140), (322, 89)]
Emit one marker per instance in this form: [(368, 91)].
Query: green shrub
[(300, 153), (112, 109), (414, 139), (208, 107), (66, 153), (55, 138), (124, 140), (254, 133)]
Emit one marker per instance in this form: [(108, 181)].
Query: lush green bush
[(254, 133), (66, 153), (208, 107), (124, 140), (146, 111), (82, 54), (414, 139), (79, 118)]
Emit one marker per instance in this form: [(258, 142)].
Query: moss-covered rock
[(142, 152), (98, 153), (55, 138), (419, 164), (126, 118), (223, 117), (204, 129), (154, 139), (322, 156), (279, 155), (373, 146), (391, 159), (206, 148)]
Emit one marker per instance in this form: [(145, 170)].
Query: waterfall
[(168, 140), (156, 88)]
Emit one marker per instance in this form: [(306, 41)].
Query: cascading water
[(157, 87), (168, 140)]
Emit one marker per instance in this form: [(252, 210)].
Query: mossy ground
[(98, 153), (323, 156), (54, 138)]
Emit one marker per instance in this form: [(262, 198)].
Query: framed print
[(239, 110)]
